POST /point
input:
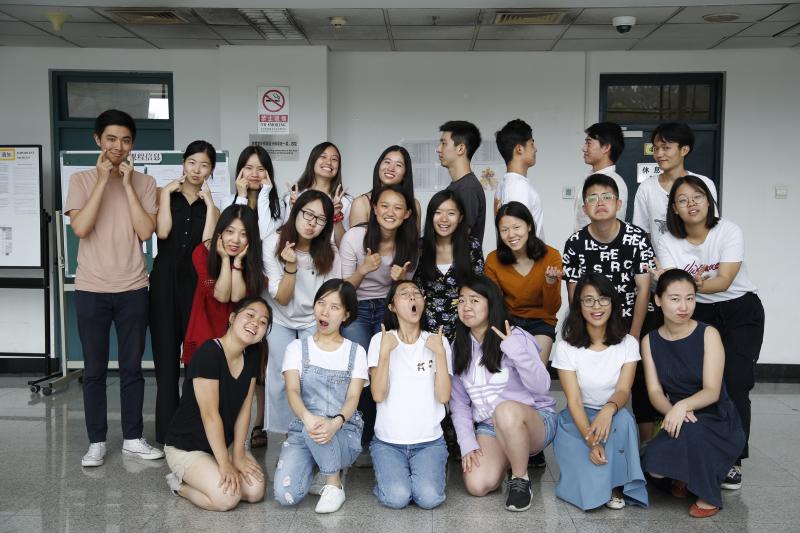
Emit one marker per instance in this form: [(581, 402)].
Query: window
[(87, 99)]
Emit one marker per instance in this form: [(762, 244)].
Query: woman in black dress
[(185, 209), (701, 435)]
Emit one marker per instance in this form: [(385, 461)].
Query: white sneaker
[(96, 454), (331, 499), (141, 449), (615, 503), (174, 483)]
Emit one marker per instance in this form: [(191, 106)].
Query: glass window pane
[(140, 100), (656, 103)]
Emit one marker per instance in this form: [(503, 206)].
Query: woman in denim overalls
[(324, 375)]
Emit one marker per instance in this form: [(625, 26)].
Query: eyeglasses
[(309, 216), (408, 295), (696, 199), (588, 301), (606, 197)]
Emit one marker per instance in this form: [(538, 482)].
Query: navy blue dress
[(705, 450)]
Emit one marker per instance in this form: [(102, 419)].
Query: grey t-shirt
[(470, 192)]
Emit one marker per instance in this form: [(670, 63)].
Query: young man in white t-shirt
[(602, 147), (672, 143), (516, 146)]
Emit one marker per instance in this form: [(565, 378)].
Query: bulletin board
[(21, 215)]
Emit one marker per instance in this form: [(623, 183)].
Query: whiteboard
[(20, 206), (163, 165)]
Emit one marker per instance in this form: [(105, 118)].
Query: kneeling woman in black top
[(205, 444)]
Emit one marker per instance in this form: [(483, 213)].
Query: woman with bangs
[(373, 255), (393, 167), (597, 445), (255, 188), (323, 173), (711, 249), (410, 373), (500, 404), (298, 260)]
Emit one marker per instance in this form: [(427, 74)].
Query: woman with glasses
[(501, 406), (298, 259), (410, 381), (711, 249), (596, 445)]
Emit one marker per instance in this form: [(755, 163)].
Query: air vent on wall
[(513, 18), (148, 16)]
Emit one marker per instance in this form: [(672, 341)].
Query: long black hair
[(266, 162), (390, 320), (675, 223), (252, 266), (406, 240), (408, 177), (307, 178), (490, 348), (320, 249), (574, 331), (460, 238), (535, 248)]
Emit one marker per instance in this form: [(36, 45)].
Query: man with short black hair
[(112, 209), (458, 142), (602, 147)]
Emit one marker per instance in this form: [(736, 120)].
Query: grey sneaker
[(174, 483), (96, 454), (141, 449)]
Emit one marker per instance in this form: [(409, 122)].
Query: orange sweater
[(528, 296)]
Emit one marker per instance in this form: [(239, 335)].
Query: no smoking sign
[(273, 110)]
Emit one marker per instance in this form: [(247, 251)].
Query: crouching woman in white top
[(596, 445), (410, 374), (325, 374)]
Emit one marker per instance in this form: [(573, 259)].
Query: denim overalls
[(323, 392)]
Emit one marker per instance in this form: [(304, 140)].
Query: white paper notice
[(20, 204)]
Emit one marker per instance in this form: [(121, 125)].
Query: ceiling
[(757, 25)]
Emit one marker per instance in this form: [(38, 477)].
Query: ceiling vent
[(721, 17), (514, 18), (273, 24), (148, 16)]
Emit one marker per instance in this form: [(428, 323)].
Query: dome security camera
[(623, 24)]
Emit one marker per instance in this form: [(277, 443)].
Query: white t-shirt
[(517, 188), (724, 244), (581, 219), (336, 360), (650, 206), (597, 372), (410, 413), (299, 312)]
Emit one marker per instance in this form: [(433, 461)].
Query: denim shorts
[(534, 326), (549, 418)]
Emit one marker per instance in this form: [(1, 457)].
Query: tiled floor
[(44, 488)]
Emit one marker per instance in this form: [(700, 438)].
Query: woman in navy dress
[(701, 435)]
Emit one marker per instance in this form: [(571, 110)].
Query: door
[(639, 102)]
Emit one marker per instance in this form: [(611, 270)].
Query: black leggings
[(741, 325)]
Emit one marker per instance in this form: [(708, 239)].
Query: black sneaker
[(733, 481), (537, 460), (519, 494)]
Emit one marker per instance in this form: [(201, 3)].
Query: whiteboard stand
[(61, 378)]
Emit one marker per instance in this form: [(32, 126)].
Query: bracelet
[(288, 272), (339, 415), (616, 407), (338, 217), (240, 269)]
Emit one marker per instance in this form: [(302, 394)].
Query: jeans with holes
[(409, 472)]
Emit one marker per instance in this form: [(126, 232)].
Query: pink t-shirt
[(110, 258)]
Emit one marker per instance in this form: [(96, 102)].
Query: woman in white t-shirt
[(410, 374), (712, 250), (325, 374), (298, 259), (596, 364)]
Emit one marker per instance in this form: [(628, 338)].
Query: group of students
[(352, 331)]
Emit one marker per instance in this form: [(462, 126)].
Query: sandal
[(699, 512), (258, 438)]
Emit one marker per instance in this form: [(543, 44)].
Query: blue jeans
[(277, 413), (367, 323), (406, 472)]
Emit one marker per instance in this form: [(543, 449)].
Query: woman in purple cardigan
[(500, 403)]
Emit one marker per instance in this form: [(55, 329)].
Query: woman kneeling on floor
[(501, 407), (596, 445), (410, 382), (701, 436), (324, 374), (205, 443)]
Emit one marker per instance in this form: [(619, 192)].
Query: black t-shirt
[(186, 430), (470, 191), (620, 260)]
